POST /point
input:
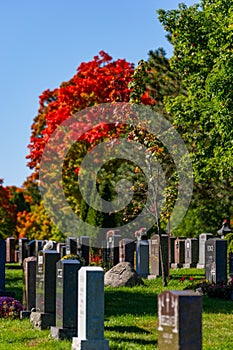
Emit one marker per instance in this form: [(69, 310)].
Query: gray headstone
[(180, 320), (23, 249), (29, 295), (90, 310), (66, 299), (126, 251), (179, 247), (202, 239), (191, 252), (216, 260), (44, 317), (155, 256), (142, 258), (113, 248), (61, 248), (2, 264), (10, 250)]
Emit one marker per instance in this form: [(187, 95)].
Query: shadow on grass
[(135, 302), (142, 342), (127, 329), (217, 306)]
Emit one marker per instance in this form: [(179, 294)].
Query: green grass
[(130, 317)]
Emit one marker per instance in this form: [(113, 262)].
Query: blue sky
[(42, 44)]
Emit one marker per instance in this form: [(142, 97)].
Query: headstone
[(202, 239), (23, 250), (38, 246), (71, 245), (45, 314), (216, 260), (126, 251), (191, 252), (171, 250), (104, 253), (180, 320), (16, 259), (61, 248), (179, 247), (10, 250), (66, 299), (2, 264), (83, 248), (90, 310), (142, 258), (155, 256), (31, 248), (113, 246), (231, 264), (29, 295)]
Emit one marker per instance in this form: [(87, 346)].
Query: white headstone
[(90, 310)]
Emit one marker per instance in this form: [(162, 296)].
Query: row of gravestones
[(70, 301), (176, 252), (67, 298)]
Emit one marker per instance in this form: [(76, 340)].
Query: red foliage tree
[(98, 81)]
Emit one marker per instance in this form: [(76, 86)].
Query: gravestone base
[(41, 320), (93, 344), (152, 277), (24, 314), (189, 265), (176, 266), (63, 333), (200, 266)]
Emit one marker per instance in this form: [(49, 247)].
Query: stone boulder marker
[(121, 275), (180, 320)]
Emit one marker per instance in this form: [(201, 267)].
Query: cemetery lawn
[(130, 317)]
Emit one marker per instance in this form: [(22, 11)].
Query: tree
[(202, 37), (7, 213)]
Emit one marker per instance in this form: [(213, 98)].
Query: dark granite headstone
[(191, 252), (155, 256), (202, 239), (44, 317), (10, 250), (142, 258), (171, 250), (126, 250), (38, 246), (71, 245), (216, 260), (230, 264), (83, 248), (23, 249), (66, 299), (2, 264), (180, 320), (31, 248)]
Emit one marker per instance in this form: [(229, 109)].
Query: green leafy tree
[(202, 37)]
